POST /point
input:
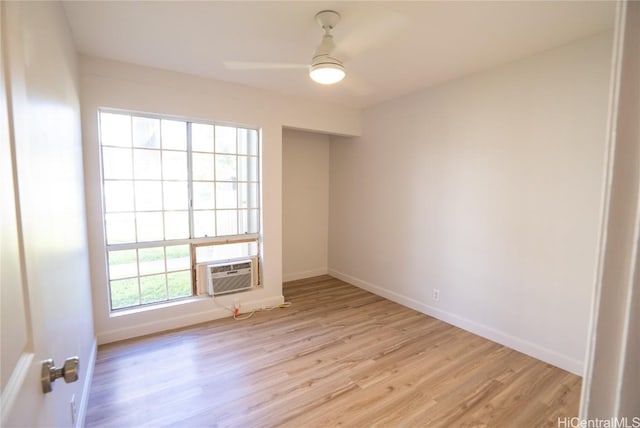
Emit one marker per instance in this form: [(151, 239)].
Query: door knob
[(49, 373)]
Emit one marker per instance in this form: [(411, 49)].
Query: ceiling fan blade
[(253, 65)]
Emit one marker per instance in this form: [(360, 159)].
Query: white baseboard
[(547, 355), (294, 276), (165, 324), (86, 388)]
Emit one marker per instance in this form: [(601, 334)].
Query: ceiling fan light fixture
[(324, 68), (326, 72)]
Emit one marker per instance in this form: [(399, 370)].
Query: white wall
[(118, 85), (488, 189), (305, 204), (45, 114)]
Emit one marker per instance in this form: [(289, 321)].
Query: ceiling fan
[(324, 68)]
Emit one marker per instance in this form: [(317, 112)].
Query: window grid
[(245, 189), (138, 275)]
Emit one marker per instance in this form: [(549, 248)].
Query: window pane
[(122, 264), (146, 132), (248, 195), (204, 223), (254, 195), (116, 163), (153, 288), (252, 165), (226, 195), (174, 165), (179, 284), (227, 222), (148, 195), (178, 257), (174, 134), (146, 164), (176, 195), (151, 260), (120, 228), (253, 221), (211, 253), (243, 222), (124, 293), (176, 225), (242, 141), (243, 168), (115, 129), (201, 137), (247, 168), (202, 166), (243, 196), (203, 195), (118, 196), (247, 141), (226, 168), (149, 226), (248, 221), (252, 142), (225, 139)]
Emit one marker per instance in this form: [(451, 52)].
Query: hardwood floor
[(339, 356)]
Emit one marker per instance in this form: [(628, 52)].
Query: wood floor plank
[(339, 356)]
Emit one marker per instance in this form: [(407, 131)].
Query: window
[(168, 184)]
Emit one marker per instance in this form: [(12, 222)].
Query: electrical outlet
[(74, 410), (436, 295)]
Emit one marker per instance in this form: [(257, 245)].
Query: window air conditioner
[(232, 276)]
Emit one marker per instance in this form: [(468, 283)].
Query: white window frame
[(191, 241)]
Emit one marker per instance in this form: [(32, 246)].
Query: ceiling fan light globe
[(326, 74)]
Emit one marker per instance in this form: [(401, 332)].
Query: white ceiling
[(389, 48)]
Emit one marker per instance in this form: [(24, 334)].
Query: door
[(611, 386), (17, 344), (18, 351), (45, 290)]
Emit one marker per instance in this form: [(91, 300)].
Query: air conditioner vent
[(221, 269), (232, 277)]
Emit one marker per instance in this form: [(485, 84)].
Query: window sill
[(153, 307)]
